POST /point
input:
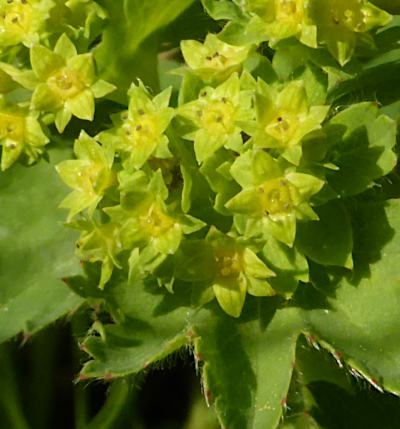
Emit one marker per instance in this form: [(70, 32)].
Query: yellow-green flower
[(89, 175), (22, 21), (284, 118), (213, 58), (283, 19), (340, 21), (66, 83), (216, 114), (223, 266), (98, 243), (20, 134), (273, 197), (139, 131), (144, 217)]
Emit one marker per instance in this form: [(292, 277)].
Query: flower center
[(65, 83), (288, 10), (348, 14), (12, 127), (141, 130), (283, 126), (218, 116), (156, 222), (276, 197), (216, 61), (94, 179), (228, 263)]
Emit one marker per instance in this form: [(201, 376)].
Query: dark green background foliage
[(324, 353)]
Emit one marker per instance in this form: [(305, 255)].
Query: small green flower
[(284, 118), (89, 176), (66, 82), (23, 21), (98, 243), (341, 21), (273, 197), (216, 115), (76, 16), (213, 58), (283, 19), (225, 267), (20, 133), (145, 219), (139, 131)]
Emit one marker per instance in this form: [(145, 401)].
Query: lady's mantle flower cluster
[(134, 184), (199, 192)]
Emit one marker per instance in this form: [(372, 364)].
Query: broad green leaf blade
[(36, 251), (314, 365), (127, 51), (155, 325), (329, 240), (362, 318), (248, 362), (361, 146)]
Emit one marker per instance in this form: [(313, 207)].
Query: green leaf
[(361, 319), (32, 237), (247, 363), (328, 241), (155, 324), (319, 365), (361, 146), (127, 37)]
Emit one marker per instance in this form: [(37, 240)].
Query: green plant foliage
[(242, 206), (361, 319), (129, 34), (39, 244)]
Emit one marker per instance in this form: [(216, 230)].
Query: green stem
[(118, 397), (10, 404)]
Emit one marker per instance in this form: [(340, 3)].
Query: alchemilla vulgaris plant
[(234, 193)]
